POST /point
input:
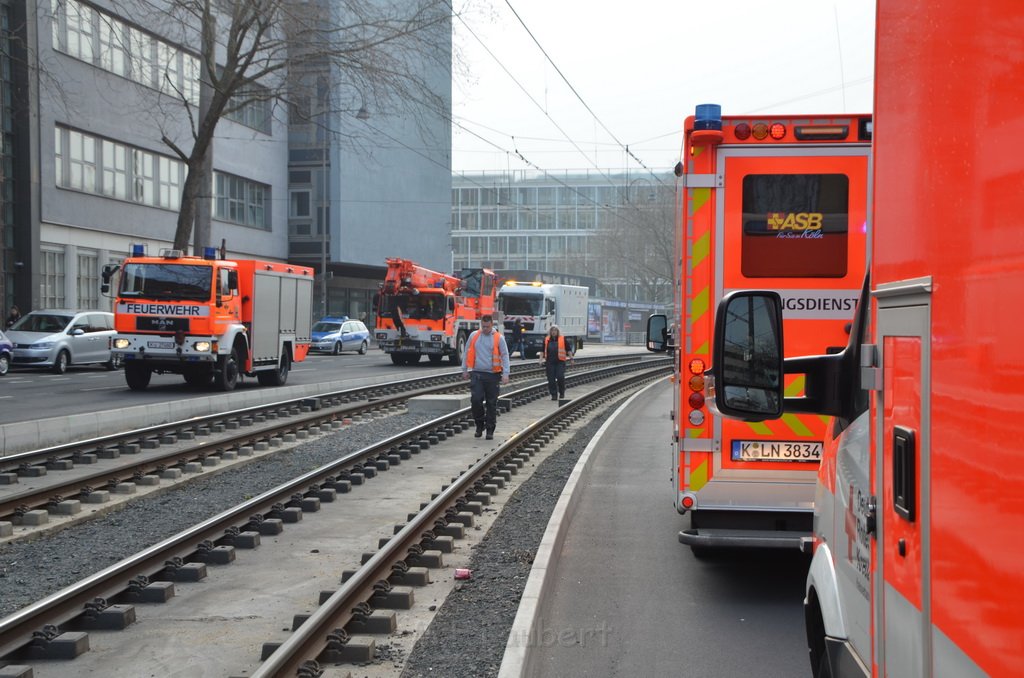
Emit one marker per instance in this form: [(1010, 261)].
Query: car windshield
[(326, 327), (42, 322), (167, 281)]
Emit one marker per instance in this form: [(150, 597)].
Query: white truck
[(541, 305)]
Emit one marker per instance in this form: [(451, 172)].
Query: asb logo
[(795, 221)]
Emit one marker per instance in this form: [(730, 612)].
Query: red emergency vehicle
[(918, 537), (766, 201)]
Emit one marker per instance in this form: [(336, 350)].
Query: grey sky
[(641, 67)]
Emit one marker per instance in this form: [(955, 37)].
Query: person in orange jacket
[(485, 364), (557, 352)]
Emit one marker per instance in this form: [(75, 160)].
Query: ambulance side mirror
[(746, 379), (657, 333)]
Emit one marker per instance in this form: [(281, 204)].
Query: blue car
[(6, 351), (334, 335)]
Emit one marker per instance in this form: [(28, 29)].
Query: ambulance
[(765, 201), (919, 511)]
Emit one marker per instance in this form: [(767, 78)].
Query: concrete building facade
[(91, 89)]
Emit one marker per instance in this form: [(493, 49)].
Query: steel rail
[(13, 462), (15, 504)]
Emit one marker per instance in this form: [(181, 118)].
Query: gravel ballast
[(467, 637)]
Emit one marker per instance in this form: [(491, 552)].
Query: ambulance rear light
[(821, 132), (696, 418), (777, 131), (697, 383), (688, 501), (696, 366), (696, 400), (760, 131), (742, 131)]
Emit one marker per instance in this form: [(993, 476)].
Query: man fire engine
[(777, 201), (423, 312), (917, 548), (209, 319)]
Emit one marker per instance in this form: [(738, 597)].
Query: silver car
[(59, 338)]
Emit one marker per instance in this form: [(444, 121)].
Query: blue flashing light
[(708, 116), (209, 253), (138, 250)]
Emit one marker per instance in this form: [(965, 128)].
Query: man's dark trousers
[(483, 397)]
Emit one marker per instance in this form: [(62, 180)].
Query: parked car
[(6, 350), (59, 338), (334, 335)]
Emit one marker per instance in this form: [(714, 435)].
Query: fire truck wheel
[(60, 365), (137, 376), (226, 377), (362, 348), (336, 349), (279, 376)]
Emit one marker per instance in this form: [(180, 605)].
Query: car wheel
[(5, 364), (115, 362), (337, 348), (363, 347), (60, 365)]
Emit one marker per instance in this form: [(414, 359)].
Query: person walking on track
[(485, 364), (556, 353)]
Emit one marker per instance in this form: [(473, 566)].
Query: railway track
[(32, 490), (148, 575)]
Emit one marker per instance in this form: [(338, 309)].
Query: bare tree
[(289, 52), (638, 243)]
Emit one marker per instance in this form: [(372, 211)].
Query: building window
[(251, 107), (169, 70), (144, 183), (51, 274), (82, 156), (298, 204), (88, 280), (113, 42), (141, 46), (170, 175), (241, 201), (115, 170), (79, 27), (59, 157)]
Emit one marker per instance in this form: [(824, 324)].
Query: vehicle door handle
[(903, 472)]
